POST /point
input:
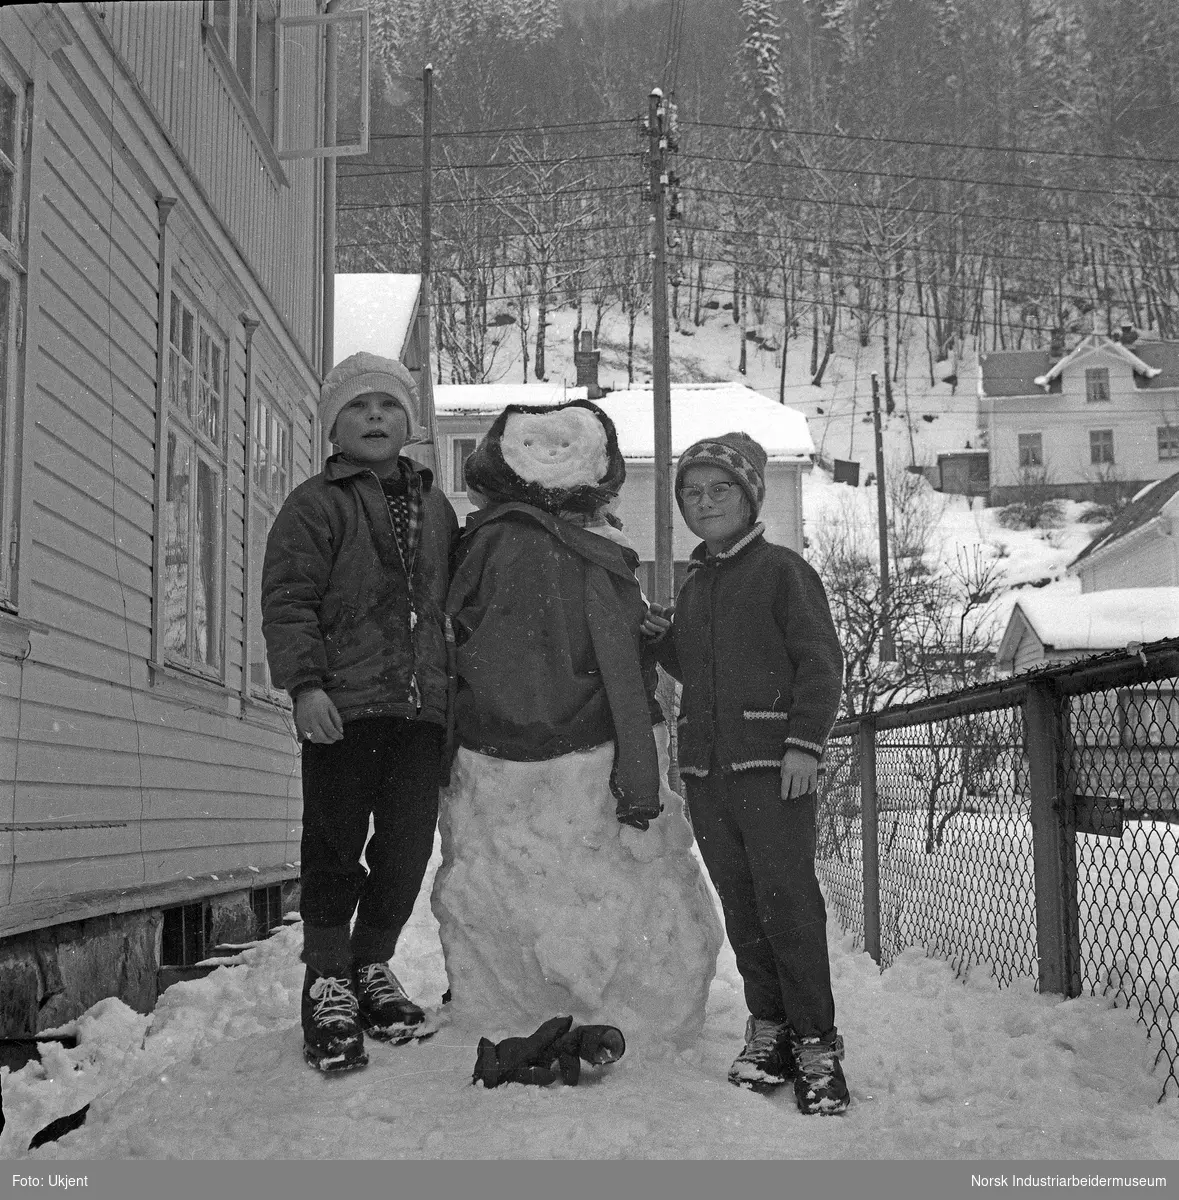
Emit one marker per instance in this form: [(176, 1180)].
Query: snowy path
[(938, 1070)]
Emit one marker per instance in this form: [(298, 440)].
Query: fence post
[(871, 839), (1053, 845)]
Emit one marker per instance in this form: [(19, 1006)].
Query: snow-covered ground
[(939, 1068)]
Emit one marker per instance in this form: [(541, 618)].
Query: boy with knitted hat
[(754, 645), (353, 587)]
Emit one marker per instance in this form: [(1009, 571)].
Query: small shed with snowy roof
[(1058, 624), (465, 412), (1139, 547), (1097, 423)]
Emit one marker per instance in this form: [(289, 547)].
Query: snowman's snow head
[(565, 448), (562, 459)]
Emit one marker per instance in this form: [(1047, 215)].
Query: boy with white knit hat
[(353, 586), (754, 645)]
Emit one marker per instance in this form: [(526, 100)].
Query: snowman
[(568, 882)]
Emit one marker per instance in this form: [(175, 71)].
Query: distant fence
[(1029, 827)]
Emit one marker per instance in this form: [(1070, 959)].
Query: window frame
[(263, 508), (1096, 383), (456, 471), (1168, 443), (1097, 456), (1020, 448), (13, 272), (184, 425), (225, 21)]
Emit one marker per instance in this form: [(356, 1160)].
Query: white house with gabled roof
[(1097, 423)]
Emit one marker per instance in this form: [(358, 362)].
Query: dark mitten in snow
[(554, 1049), (521, 1060), (596, 1044)]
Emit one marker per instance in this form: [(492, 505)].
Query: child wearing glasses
[(753, 643)]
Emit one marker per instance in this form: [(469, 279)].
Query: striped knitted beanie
[(736, 453)]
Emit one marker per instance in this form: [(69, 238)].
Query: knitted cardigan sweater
[(754, 645)]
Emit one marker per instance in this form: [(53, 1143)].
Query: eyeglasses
[(716, 492)]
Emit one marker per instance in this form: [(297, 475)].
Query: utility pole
[(426, 376), (661, 369), (887, 649)]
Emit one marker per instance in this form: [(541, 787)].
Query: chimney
[(1129, 335), (1056, 345), (585, 359)]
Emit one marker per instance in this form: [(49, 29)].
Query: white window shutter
[(303, 48)]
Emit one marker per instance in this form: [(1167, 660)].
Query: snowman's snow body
[(546, 905)]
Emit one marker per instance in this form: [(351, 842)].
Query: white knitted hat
[(364, 372)]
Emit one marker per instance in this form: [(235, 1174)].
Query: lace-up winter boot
[(332, 1037), (819, 1085), (386, 1012), (766, 1062)]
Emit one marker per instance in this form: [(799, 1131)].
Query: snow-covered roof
[(490, 399), (698, 410), (1146, 506), (374, 312), (1093, 343), (1029, 372), (1064, 620)]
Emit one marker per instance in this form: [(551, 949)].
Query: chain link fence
[(1029, 828)]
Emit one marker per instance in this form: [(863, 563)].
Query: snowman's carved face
[(565, 448)]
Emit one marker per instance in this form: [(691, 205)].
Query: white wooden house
[(161, 315), (464, 413), (1139, 547), (1097, 423)]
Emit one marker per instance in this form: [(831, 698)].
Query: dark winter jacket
[(550, 659), (336, 602), (755, 647)]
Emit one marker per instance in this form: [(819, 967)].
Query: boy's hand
[(658, 620), (316, 718), (800, 774)]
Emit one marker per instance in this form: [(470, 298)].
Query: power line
[(906, 175), (916, 210), (526, 130), (1030, 151), (620, 187), (827, 243), (361, 172)]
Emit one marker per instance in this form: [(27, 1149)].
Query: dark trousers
[(760, 853), (386, 767)]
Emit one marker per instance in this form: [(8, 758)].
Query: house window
[(1097, 385), (246, 31), (270, 481), (9, 156), (11, 190), (1101, 450), (1031, 450), (460, 450), (192, 599), (1168, 442)]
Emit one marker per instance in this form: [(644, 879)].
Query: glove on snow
[(555, 1048)]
